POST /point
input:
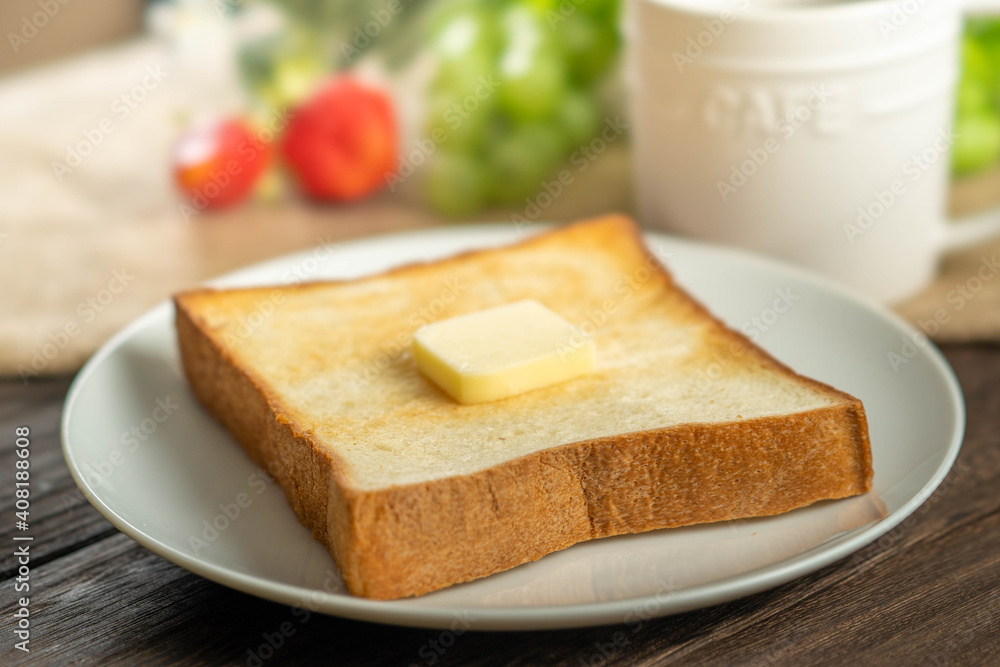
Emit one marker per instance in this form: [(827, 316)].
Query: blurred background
[(170, 141)]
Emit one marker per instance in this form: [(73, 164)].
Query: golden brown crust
[(413, 539), (423, 537)]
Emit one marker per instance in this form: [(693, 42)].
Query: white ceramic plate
[(161, 470)]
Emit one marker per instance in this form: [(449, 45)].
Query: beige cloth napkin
[(963, 303), (82, 256)]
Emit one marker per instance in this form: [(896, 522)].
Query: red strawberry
[(218, 164), (342, 143)]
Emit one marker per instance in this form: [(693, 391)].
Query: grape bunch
[(977, 120), (513, 94)]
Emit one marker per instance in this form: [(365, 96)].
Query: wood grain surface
[(927, 593)]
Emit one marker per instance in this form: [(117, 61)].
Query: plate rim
[(547, 616)]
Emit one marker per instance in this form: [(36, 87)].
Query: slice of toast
[(684, 421)]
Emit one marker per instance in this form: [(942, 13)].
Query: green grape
[(522, 159), (543, 54), (605, 12), (578, 117), (531, 90), (466, 46), (531, 72), (464, 75), (468, 27), (983, 62), (977, 144), (463, 121), (543, 6), (973, 95), (983, 28), (456, 183), (976, 60), (588, 48)]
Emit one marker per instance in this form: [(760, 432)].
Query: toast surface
[(683, 421)]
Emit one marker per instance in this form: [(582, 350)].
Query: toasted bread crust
[(409, 540)]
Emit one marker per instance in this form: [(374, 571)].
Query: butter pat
[(501, 352)]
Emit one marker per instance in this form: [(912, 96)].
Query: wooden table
[(928, 594)]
